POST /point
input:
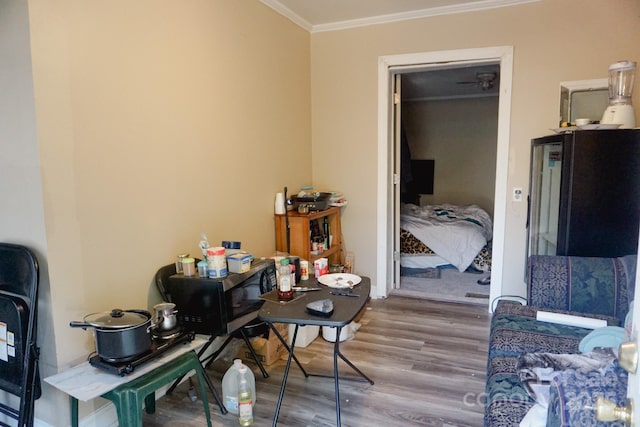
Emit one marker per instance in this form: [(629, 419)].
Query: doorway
[(448, 142), (388, 165)]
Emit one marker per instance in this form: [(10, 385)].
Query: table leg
[(74, 411), (286, 372), (336, 375), (223, 409), (348, 362), (336, 352), (200, 353), (253, 353), (289, 349)]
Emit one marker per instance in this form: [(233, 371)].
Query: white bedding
[(422, 261), (454, 233)]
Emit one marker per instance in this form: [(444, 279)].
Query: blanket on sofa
[(537, 370)]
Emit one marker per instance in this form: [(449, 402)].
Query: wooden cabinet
[(302, 228)]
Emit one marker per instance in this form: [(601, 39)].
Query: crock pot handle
[(83, 325)]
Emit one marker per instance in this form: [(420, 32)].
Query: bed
[(437, 236)]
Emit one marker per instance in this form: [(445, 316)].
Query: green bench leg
[(150, 403), (128, 397), (74, 411)]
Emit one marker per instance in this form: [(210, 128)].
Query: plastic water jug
[(230, 386)]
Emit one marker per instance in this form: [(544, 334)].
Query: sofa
[(596, 288)]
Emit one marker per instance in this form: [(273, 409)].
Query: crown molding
[(288, 13), (394, 17)]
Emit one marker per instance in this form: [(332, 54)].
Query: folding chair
[(19, 353)]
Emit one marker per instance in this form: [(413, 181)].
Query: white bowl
[(582, 122)]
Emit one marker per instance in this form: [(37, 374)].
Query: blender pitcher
[(620, 111)]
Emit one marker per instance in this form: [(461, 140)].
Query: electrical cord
[(516, 298)]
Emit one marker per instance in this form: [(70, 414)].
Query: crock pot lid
[(116, 318)]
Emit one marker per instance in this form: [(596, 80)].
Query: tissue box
[(239, 263)]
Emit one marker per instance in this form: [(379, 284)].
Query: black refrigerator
[(584, 193)]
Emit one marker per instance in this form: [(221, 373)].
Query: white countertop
[(84, 382)]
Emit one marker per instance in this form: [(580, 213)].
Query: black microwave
[(222, 305)]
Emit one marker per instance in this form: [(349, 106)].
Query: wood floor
[(427, 360)]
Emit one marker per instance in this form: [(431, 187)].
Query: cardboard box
[(269, 350)]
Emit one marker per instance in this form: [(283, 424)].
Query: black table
[(345, 310)]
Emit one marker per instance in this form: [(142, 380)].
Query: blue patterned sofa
[(591, 287)]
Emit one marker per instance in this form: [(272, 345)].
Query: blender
[(620, 111)]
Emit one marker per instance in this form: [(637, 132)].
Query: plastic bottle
[(304, 270), (230, 386), (245, 398), (285, 282)]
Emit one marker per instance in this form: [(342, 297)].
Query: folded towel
[(570, 320)]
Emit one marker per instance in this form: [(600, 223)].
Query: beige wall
[(460, 135), (553, 41), (156, 121), (22, 219)]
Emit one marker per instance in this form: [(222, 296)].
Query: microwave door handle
[(263, 282)]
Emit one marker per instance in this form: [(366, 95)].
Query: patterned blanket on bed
[(455, 233), (410, 245)]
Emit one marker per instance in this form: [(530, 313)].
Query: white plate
[(339, 280), (564, 130), (597, 126)]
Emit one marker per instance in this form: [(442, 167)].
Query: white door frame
[(384, 205)]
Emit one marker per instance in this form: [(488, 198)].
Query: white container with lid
[(239, 262), (217, 267), (329, 334), (189, 267), (306, 334)]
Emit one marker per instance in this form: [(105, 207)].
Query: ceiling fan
[(485, 80)]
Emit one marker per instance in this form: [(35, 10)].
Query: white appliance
[(620, 111)]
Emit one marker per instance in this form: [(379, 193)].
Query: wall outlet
[(517, 194)]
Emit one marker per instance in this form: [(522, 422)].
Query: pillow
[(606, 337)]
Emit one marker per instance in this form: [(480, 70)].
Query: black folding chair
[(19, 353)]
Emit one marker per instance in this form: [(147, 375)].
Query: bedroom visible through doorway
[(449, 120), (388, 219)]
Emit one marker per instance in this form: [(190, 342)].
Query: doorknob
[(628, 356), (606, 410)]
